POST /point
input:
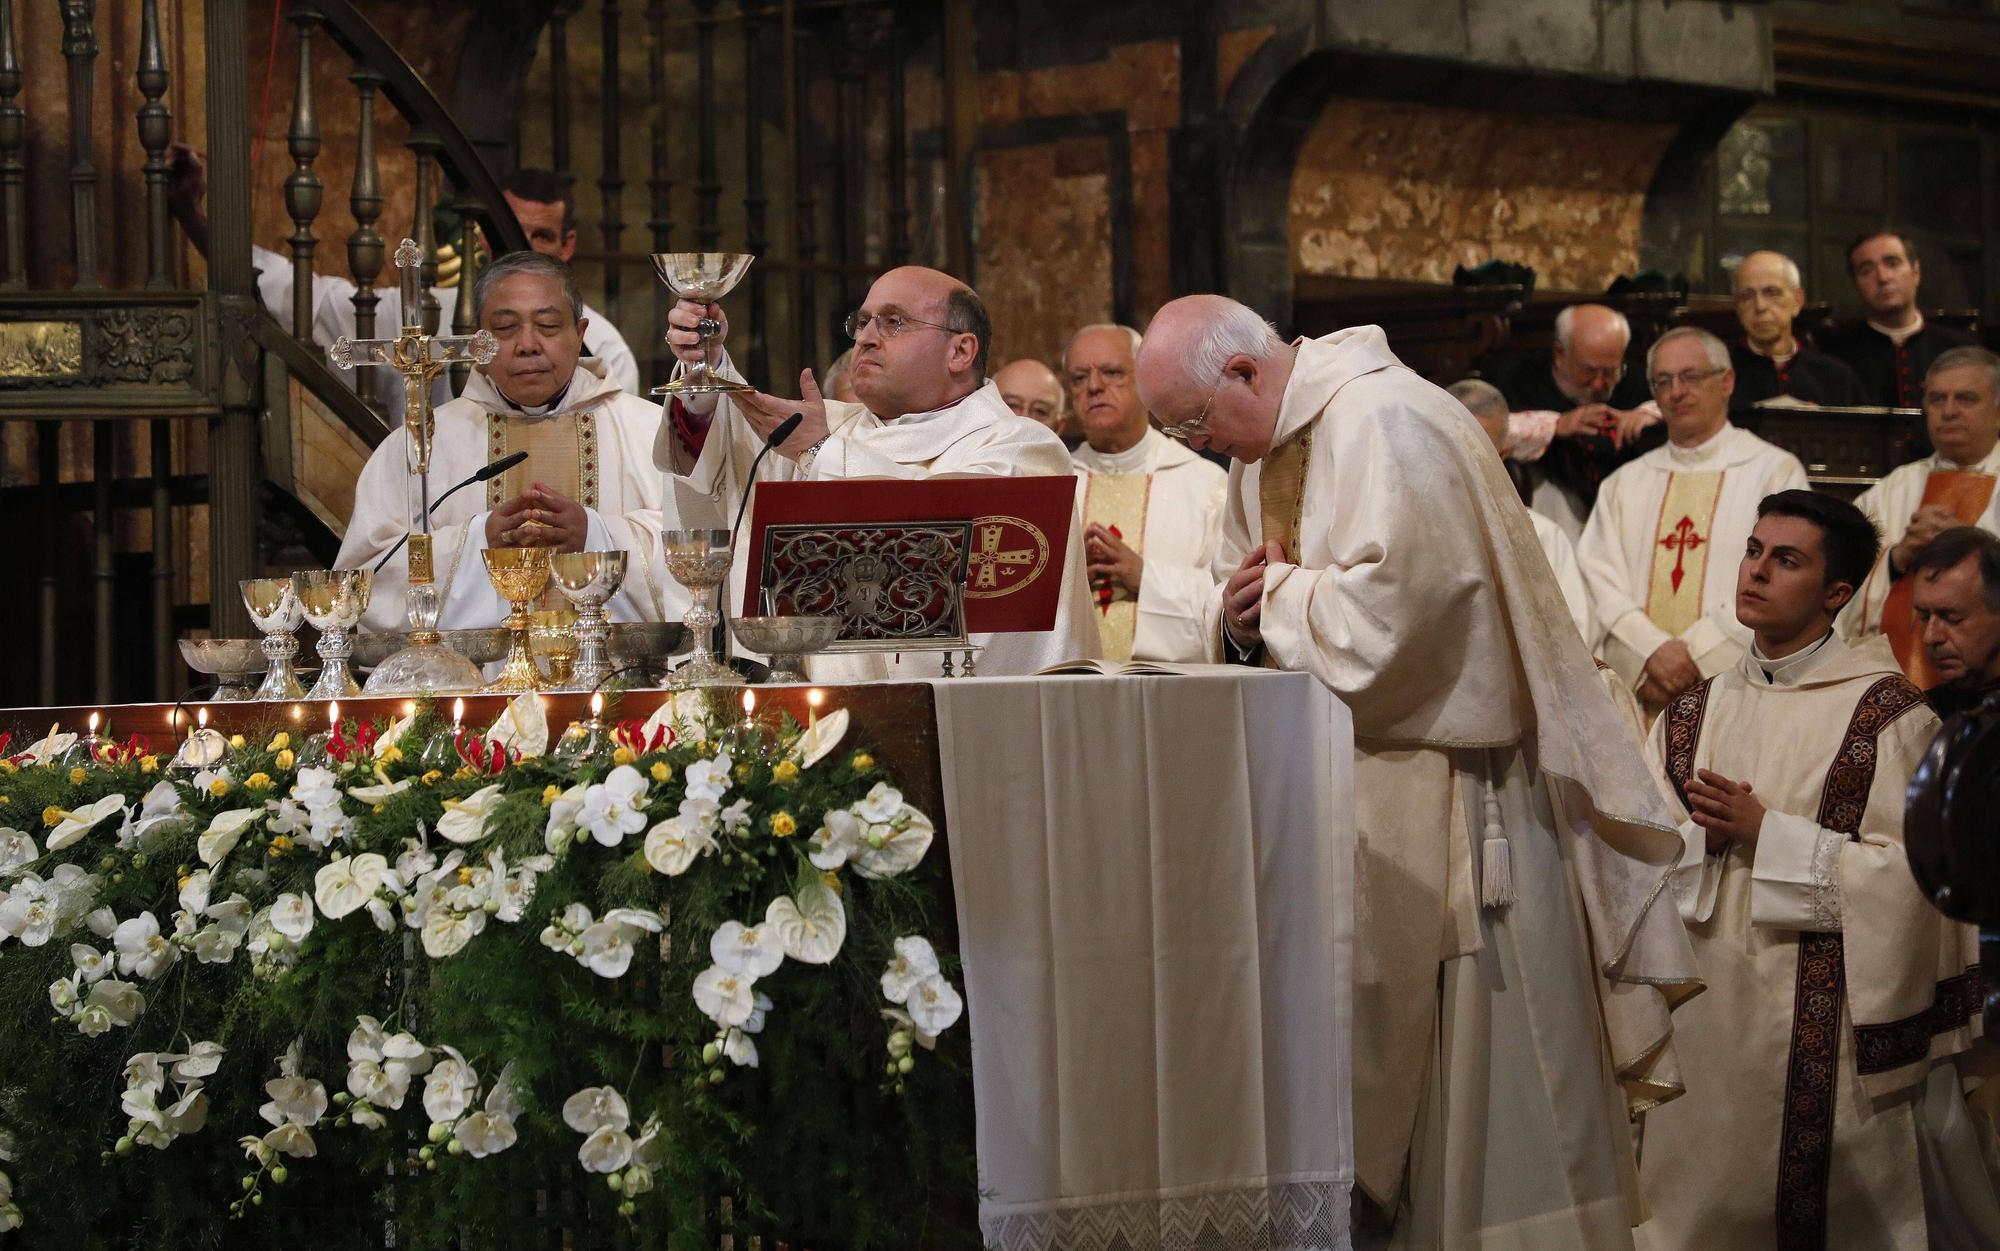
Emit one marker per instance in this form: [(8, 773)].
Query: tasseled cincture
[(1496, 866)]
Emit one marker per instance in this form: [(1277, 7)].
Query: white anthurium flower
[(811, 926), (724, 997), (894, 849), (464, 820), (523, 727), (17, 849), (293, 1140), (836, 841), (686, 714), (384, 792), (390, 736), (449, 1089), (709, 779), (80, 821), (201, 1060), (446, 933), (615, 807), (676, 843), (915, 961), (820, 739), (195, 890), (347, 884), (292, 915), (560, 831), (934, 1005), (223, 833), (606, 1151), (51, 746), (160, 807), (736, 1045), (120, 1000), (141, 949), (751, 950), (91, 965), (594, 1108)]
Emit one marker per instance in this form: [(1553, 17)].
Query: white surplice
[(1561, 554), (1492, 1034), (626, 516), (1183, 510), (1756, 1071), (1890, 504), (1616, 553), (978, 436)]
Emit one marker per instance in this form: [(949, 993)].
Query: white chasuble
[(598, 441), (1660, 551), (1560, 552), (1166, 503), (1516, 952), (1968, 491), (1834, 989), (975, 436)]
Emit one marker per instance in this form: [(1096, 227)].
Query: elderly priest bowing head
[(1517, 953), (926, 411), (588, 483)]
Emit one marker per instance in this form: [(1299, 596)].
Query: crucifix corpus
[(420, 358)]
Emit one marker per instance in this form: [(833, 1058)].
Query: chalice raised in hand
[(703, 277), (519, 574), (699, 560)]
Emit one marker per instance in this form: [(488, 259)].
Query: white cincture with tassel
[(1496, 866)]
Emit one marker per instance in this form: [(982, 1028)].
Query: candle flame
[(814, 698), (457, 711), (93, 725), (201, 718), (596, 702), (333, 715), (749, 702), (298, 713), (409, 707)]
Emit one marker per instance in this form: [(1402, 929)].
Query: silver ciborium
[(235, 664), (588, 580), (277, 614), (699, 560), (333, 600), (787, 641), (703, 277)]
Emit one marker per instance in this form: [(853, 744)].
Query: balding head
[(1032, 390), (1211, 361), (939, 356), (1098, 366), (1488, 407), (1589, 358), (1768, 296)]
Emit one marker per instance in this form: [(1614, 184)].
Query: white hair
[(1137, 338), (1790, 267), (1969, 358), (1480, 397), (1236, 331), (1566, 323), (1718, 351)]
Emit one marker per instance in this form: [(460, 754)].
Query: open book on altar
[(912, 563), (1126, 668)]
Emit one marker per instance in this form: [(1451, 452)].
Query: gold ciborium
[(554, 633), (520, 574)]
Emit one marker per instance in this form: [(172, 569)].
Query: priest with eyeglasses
[(926, 410)]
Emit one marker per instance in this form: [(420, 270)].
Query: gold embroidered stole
[(1118, 503), (1681, 539), (1281, 494), (562, 455), (1966, 495)]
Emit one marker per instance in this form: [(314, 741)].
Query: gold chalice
[(519, 574), (554, 633)]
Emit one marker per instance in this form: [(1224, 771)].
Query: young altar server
[(1821, 1056)]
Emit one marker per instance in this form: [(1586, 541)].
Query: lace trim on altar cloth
[(1825, 905), (1298, 1215)]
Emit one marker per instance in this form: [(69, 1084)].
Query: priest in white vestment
[(1820, 1060), (1954, 486), (1659, 551), (1489, 408), (588, 483), (1517, 953), (1151, 508), (920, 344)]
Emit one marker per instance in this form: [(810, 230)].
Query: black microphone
[(771, 441), (484, 473)]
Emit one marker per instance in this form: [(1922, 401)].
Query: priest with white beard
[(1152, 509), (1954, 486), (920, 349), (588, 483), (1659, 551), (1517, 953)]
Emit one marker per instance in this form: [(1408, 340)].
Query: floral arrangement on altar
[(408, 982)]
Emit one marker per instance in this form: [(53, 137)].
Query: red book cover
[(1020, 535)]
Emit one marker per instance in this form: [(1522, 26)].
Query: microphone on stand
[(771, 441), (484, 473)]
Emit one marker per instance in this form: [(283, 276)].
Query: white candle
[(813, 699), (333, 718), (457, 716)]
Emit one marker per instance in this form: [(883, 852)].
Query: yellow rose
[(623, 756), (279, 741), (433, 776), (862, 762), (52, 816), (6, 766), (258, 782), (219, 787), (147, 764), (77, 775), (784, 773), (285, 758), (660, 771), (743, 771), (236, 742), (279, 846), (377, 810), (390, 754), (549, 794), (464, 772), (784, 825)]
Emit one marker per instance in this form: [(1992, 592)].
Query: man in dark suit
[(1892, 348), (1770, 362)]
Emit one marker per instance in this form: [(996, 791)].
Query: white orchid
[(223, 833), (147, 1070), (380, 1065), (514, 891), (120, 1002), (17, 850), (615, 807), (270, 950), (292, 1140), (91, 964), (63, 998), (609, 944), (916, 960), (449, 1089), (709, 779), (195, 890), (464, 820), (738, 1049), (102, 922), (292, 916), (295, 1100), (141, 949), (753, 951), (30, 911), (491, 1129), (560, 831), (11, 1217), (594, 1108), (836, 841), (735, 818), (724, 997), (317, 788), (810, 926), (201, 1060), (605, 1151), (880, 805), (561, 932), (934, 1005), (347, 884)]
